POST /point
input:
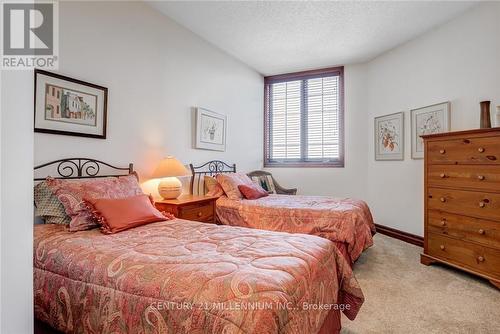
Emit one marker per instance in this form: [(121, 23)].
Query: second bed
[(346, 222)]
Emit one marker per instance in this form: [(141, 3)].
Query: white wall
[(1, 202), (459, 62), (16, 237), (349, 181), (156, 71)]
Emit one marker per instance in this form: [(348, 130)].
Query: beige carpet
[(404, 296)]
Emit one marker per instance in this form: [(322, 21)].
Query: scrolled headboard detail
[(80, 168), (209, 168)]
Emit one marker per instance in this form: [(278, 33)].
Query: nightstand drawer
[(201, 212), (190, 207)]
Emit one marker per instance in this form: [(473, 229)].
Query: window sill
[(338, 164)]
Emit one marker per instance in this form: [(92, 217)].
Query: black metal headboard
[(210, 168), (81, 168)]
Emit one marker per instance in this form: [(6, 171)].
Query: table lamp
[(167, 170)]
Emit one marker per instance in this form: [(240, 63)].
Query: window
[(303, 115)]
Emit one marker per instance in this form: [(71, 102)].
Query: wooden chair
[(279, 189)]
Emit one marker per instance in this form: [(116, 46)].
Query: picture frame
[(68, 106), (428, 120), (389, 137), (211, 130)]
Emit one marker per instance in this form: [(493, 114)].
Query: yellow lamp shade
[(170, 167), (170, 187)]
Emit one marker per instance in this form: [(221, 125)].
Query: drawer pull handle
[(443, 222), (442, 199), (442, 175), (481, 231), (200, 214), (442, 151), (480, 150), (442, 247), (480, 259), (481, 177), (482, 204)]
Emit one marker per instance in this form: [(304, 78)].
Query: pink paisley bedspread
[(187, 277), (344, 220)]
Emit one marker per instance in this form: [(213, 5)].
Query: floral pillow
[(212, 187), (72, 192), (230, 183), (48, 206)]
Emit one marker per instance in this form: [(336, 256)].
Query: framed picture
[(66, 106), (210, 130), (389, 137), (428, 120)]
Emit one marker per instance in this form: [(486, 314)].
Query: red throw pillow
[(252, 191), (115, 215)]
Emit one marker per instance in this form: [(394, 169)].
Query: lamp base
[(170, 188)]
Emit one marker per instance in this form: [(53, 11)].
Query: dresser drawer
[(486, 177), (469, 203), (485, 232), (483, 150), (200, 212), (475, 257)]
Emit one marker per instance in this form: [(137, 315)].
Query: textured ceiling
[(279, 37)]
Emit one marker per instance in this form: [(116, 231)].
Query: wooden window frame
[(312, 74)]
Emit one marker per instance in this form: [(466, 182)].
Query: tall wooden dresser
[(462, 201)]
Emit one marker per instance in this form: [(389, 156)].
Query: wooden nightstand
[(190, 207)]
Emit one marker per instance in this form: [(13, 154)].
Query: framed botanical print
[(210, 130), (68, 106), (389, 137), (428, 120)]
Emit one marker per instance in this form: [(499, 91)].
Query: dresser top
[(495, 131)]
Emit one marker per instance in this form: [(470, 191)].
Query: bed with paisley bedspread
[(187, 277), (345, 221)]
